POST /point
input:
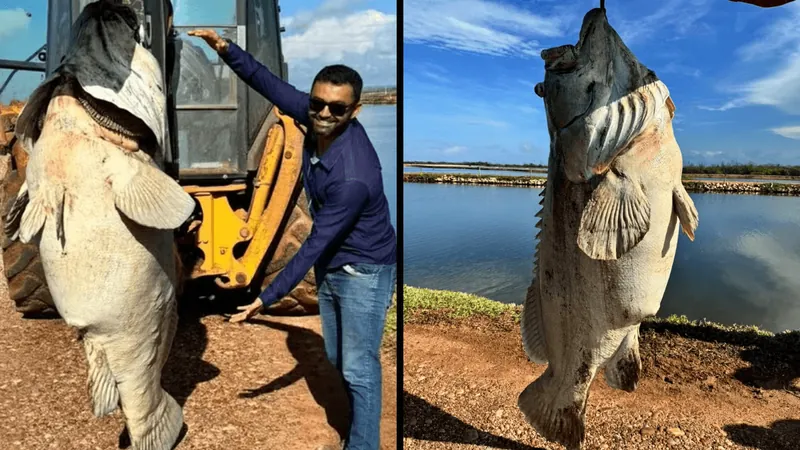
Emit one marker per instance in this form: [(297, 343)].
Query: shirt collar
[(336, 149)]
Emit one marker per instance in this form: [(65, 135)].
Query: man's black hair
[(340, 74)]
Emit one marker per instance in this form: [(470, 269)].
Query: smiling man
[(352, 243)]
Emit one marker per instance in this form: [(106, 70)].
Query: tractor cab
[(216, 123)]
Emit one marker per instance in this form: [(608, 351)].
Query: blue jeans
[(353, 301)]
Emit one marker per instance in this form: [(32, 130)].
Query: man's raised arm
[(282, 94)]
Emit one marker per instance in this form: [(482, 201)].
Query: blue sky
[(470, 66), (360, 33)]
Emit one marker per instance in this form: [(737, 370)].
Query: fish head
[(582, 91), (110, 11)]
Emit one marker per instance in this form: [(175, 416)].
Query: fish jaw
[(597, 97)]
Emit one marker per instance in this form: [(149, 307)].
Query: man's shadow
[(427, 422), (324, 381), (782, 435)]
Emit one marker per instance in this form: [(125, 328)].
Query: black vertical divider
[(400, 64)]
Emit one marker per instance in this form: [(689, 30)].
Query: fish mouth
[(565, 58), (562, 59)]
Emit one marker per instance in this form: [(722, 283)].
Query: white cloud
[(477, 26), (329, 8), (365, 41), (790, 132), (13, 21), (680, 69), (454, 150), (681, 16), (776, 38), (781, 87), (430, 71), (738, 103)]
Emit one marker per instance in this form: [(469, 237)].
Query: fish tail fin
[(153, 417), (623, 368), (163, 426), (684, 207), (102, 384), (554, 413)]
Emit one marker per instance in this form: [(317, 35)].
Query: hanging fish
[(609, 223)]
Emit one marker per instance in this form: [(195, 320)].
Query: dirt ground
[(262, 385), (698, 390)]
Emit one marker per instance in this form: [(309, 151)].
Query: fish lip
[(561, 59)]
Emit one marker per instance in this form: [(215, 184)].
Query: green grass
[(461, 305), (390, 328), (453, 304), (391, 319), (683, 320)]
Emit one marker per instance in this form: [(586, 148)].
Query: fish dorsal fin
[(615, 219), (146, 194), (531, 323)]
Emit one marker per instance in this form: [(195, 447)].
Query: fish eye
[(539, 89)]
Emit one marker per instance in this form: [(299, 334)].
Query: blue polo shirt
[(345, 188)]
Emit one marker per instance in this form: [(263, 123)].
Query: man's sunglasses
[(336, 108)]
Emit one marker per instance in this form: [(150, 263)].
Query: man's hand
[(212, 39), (248, 311)]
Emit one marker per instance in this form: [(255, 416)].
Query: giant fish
[(103, 212), (608, 227)]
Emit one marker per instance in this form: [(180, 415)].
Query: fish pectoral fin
[(14, 214), (146, 194), (615, 219), (48, 200), (684, 207)]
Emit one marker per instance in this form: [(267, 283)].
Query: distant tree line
[(378, 89), (743, 169), (479, 163), (714, 169)]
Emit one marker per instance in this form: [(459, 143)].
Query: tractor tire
[(27, 285), (303, 298)]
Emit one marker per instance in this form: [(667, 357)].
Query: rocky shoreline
[(732, 187)]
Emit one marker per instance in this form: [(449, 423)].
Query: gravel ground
[(261, 385), (462, 379)]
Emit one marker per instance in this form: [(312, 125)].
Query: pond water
[(380, 122), (742, 267)]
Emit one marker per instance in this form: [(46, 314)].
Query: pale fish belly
[(590, 309), (115, 281)]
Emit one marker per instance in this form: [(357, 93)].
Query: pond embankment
[(736, 187), (702, 386)]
